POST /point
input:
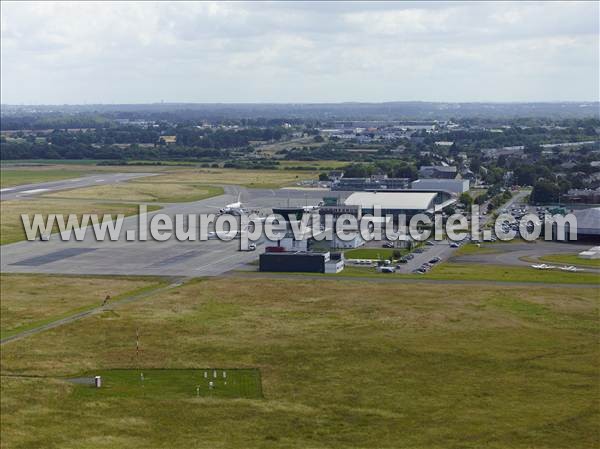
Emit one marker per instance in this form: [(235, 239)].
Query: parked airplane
[(543, 266), (570, 268)]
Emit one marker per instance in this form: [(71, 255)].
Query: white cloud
[(295, 51)]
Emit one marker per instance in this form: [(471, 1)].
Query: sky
[(298, 52)]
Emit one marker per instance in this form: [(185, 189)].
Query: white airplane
[(232, 208), (312, 208), (543, 266), (570, 268)]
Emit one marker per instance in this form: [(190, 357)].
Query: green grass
[(570, 259), (342, 364), (476, 272), (16, 177), (371, 253), (173, 383), (504, 273)]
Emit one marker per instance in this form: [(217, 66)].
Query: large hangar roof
[(392, 200)]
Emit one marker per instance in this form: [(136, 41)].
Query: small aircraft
[(542, 266), (312, 208), (570, 268)]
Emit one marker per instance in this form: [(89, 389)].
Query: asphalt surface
[(523, 254), (167, 258), (31, 190)]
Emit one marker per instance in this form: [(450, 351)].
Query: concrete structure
[(304, 262), (456, 186), (588, 225), (376, 182), (394, 203), (437, 171)]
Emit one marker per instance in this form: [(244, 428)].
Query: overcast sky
[(128, 52)]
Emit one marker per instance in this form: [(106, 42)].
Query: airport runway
[(30, 190), (167, 258)]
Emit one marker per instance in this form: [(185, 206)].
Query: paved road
[(30, 190)]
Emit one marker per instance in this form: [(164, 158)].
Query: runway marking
[(8, 189), (99, 180), (29, 192), (75, 180)]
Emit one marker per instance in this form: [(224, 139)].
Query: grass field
[(11, 227), (167, 384), (371, 253), (266, 179), (477, 272), (16, 177), (570, 259), (28, 301), (143, 191), (342, 364)]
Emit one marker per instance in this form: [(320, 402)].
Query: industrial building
[(375, 182), (588, 225), (408, 203), (456, 186), (305, 262)]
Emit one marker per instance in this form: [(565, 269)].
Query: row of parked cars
[(427, 266)]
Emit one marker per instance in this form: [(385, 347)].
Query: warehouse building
[(301, 262), (588, 226), (405, 202), (456, 186), (375, 182)]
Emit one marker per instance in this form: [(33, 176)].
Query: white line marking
[(34, 191), (99, 180), (8, 189)]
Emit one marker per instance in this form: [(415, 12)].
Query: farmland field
[(343, 364)]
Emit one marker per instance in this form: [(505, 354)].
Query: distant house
[(168, 139)]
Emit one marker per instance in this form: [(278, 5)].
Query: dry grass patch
[(11, 226), (249, 178), (29, 300), (142, 191)]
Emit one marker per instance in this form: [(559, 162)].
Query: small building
[(302, 262)]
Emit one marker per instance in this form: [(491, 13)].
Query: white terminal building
[(394, 203)]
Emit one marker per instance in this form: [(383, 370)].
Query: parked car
[(388, 245), (454, 245)]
